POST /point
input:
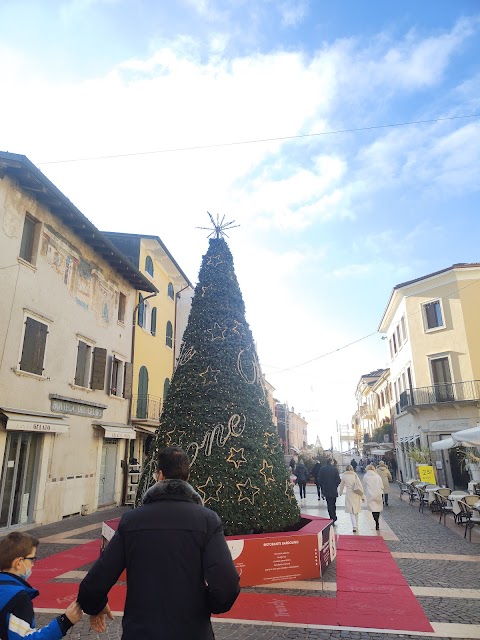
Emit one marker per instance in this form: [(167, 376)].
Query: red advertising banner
[(274, 557)]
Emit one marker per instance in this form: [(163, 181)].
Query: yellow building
[(156, 333), (434, 349)]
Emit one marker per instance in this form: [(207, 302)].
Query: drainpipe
[(127, 442), (177, 296)]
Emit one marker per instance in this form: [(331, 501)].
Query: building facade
[(159, 320), (65, 353), (431, 324)]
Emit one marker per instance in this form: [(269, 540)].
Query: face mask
[(28, 572)]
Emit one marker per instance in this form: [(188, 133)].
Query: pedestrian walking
[(18, 553), (386, 477), (354, 464), (373, 490), (291, 464), (302, 476), (179, 567), (329, 479), (354, 494), (315, 473)]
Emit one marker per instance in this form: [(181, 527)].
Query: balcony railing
[(146, 407), (451, 392)]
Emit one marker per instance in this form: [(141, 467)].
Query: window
[(169, 335), (432, 315), (166, 387), (141, 310), (399, 339), (394, 343), (99, 363), (27, 245), (116, 377), (404, 328), (391, 349), (153, 323), (149, 266), (170, 291), (34, 343), (84, 362), (122, 302), (442, 378), (146, 315)]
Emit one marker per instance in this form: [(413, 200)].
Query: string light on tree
[(237, 457), (247, 491), (208, 491)]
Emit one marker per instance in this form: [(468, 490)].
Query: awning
[(405, 439), (446, 443), (18, 420), (145, 428), (379, 452), (116, 430), (466, 437)]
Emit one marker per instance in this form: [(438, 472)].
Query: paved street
[(441, 567)]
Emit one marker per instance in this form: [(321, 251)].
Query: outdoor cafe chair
[(471, 519), (412, 493), (444, 507), (423, 497), (404, 488)]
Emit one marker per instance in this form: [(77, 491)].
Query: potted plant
[(471, 461), (420, 455)]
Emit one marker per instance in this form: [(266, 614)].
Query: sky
[(287, 116)]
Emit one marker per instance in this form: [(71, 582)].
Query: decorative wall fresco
[(82, 278)]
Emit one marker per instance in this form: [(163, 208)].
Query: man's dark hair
[(15, 545), (173, 462), (329, 461)]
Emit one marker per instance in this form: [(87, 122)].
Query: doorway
[(108, 472), (19, 472), (460, 475)]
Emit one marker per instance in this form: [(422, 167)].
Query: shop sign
[(426, 473), (76, 409)]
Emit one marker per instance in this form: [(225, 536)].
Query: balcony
[(453, 393), (146, 408), (366, 412)]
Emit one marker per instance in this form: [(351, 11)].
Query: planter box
[(265, 558)]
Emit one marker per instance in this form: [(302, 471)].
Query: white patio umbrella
[(466, 437)]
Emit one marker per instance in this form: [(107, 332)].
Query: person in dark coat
[(354, 464), (329, 479), (315, 473), (302, 476), (291, 464), (179, 567)]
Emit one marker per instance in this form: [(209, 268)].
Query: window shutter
[(141, 311), (33, 351), (127, 387), (153, 323), (81, 363), (98, 368)]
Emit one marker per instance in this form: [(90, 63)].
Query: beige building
[(65, 353), (365, 419), (297, 431), (431, 324)]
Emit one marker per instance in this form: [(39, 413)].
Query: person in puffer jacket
[(17, 557)]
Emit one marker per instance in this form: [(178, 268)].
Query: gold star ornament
[(247, 491), (237, 457), (209, 376), (267, 472), (208, 491)]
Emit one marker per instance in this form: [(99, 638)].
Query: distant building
[(431, 324), (365, 419), (297, 431), (68, 297)]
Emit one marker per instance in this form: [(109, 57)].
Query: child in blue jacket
[(17, 557)]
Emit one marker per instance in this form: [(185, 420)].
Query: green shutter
[(81, 364), (33, 351), (99, 364)]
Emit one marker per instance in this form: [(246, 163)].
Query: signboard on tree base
[(265, 558)]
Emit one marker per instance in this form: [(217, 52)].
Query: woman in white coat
[(386, 477), (373, 489), (353, 501)]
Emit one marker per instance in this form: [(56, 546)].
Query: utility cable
[(260, 140)]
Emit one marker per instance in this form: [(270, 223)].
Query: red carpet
[(371, 591)]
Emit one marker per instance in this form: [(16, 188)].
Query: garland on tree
[(217, 409)]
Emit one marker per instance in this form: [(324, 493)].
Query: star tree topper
[(219, 227)]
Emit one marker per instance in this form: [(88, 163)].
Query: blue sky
[(329, 223)]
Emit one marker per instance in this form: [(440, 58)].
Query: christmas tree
[(217, 408)]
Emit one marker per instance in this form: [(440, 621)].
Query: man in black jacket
[(179, 567), (329, 479)]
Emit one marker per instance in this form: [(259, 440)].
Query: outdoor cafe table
[(430, 491), (454, 497)]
